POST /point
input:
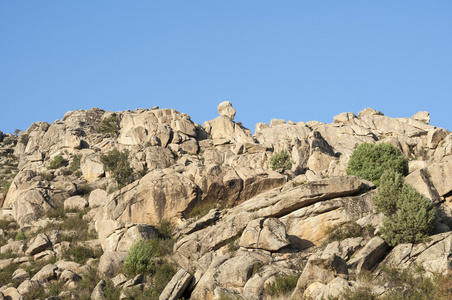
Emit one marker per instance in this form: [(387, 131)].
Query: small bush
[(281, 160), (8, 141), (110, 125), (118, 163), (75, 163), (369, 161), (57, 162), (24, 139), (140, 259), (391, 184), (413, 221), (346, 230), (20, 236), (80, 254), (283, 285), (6, 187), (84, 189)]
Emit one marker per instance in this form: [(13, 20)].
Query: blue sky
[(295, 60)]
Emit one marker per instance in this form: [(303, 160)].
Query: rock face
[(239, 224)]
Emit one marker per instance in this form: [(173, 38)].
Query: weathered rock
[(75, 202), (119, 279), (368, 256), (323, 269), (435, 136), (229, 273), (433, 256), (267, 234), (226, 110), (439, 176), (110, 263), (369, 112), (422, 116), (345, 248), (11, 293), (276, 122), (98, 292), (273, 203), (68, 275), (38, 244), (14, 247), (176, 287), (91, 166), (46, 273), (422, 184), (225, 128), (20, 274), (97, 198), (123, 239), (5, 263), (157, 196)]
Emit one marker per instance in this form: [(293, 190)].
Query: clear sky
[(295, 60)]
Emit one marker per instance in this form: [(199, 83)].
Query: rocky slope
[(259, 224)]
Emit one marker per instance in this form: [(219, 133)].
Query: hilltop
[(219, 212)]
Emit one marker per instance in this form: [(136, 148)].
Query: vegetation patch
[(369, 161), (281, 160), (410, 217), (347, 230), (57, 162), (110, 124), (118, 164), (283, 285)]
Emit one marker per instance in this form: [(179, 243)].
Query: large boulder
[(226, 110), (267, 234), (92, 167), (155, 197)]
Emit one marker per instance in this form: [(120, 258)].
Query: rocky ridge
[(259, 224)]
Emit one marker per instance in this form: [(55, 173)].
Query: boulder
[(267, 234), (98, 291), (422, 184), (226, 110), (422, 116), (369, 112), (155, 197), (224, 272), (438, 176), (177, 286), (370, 255), (48, 272), (11, 293), (276, 122), (110, 263), (97, 198), (75, 202), (434, 137), (225, 128), (91, 166), (40, 243), (323, 269)]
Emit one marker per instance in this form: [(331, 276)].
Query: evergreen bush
[(412, 222), (369, 161), (110, 124), (140, 259), (118, 163), (57, 162), (391, 183), (281, 160)]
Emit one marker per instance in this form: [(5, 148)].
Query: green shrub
[(140, 259), (391, 183), (8, 141), (412, 222), (283, 285), (110, 124), (346, 230), (80, 254), (57, 162), (369, 161), (118, 163), (281, 160), (24, 139), (20, 236), (6, 187), (75, 163)]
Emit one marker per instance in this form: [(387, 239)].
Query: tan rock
[(422, 184), (323, 269), (97, 198), (226, 110), (368, 256), (91, 166), (439, 173), (225, 128), (110, 263), (177, 286), (434, 137), (38, 244), (46, 273), (260, 126), (422, 116), (276, 122), (267, 234), (157, 196), (369, 112), (75, 202)]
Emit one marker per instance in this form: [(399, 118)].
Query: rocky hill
[(147, 204)]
